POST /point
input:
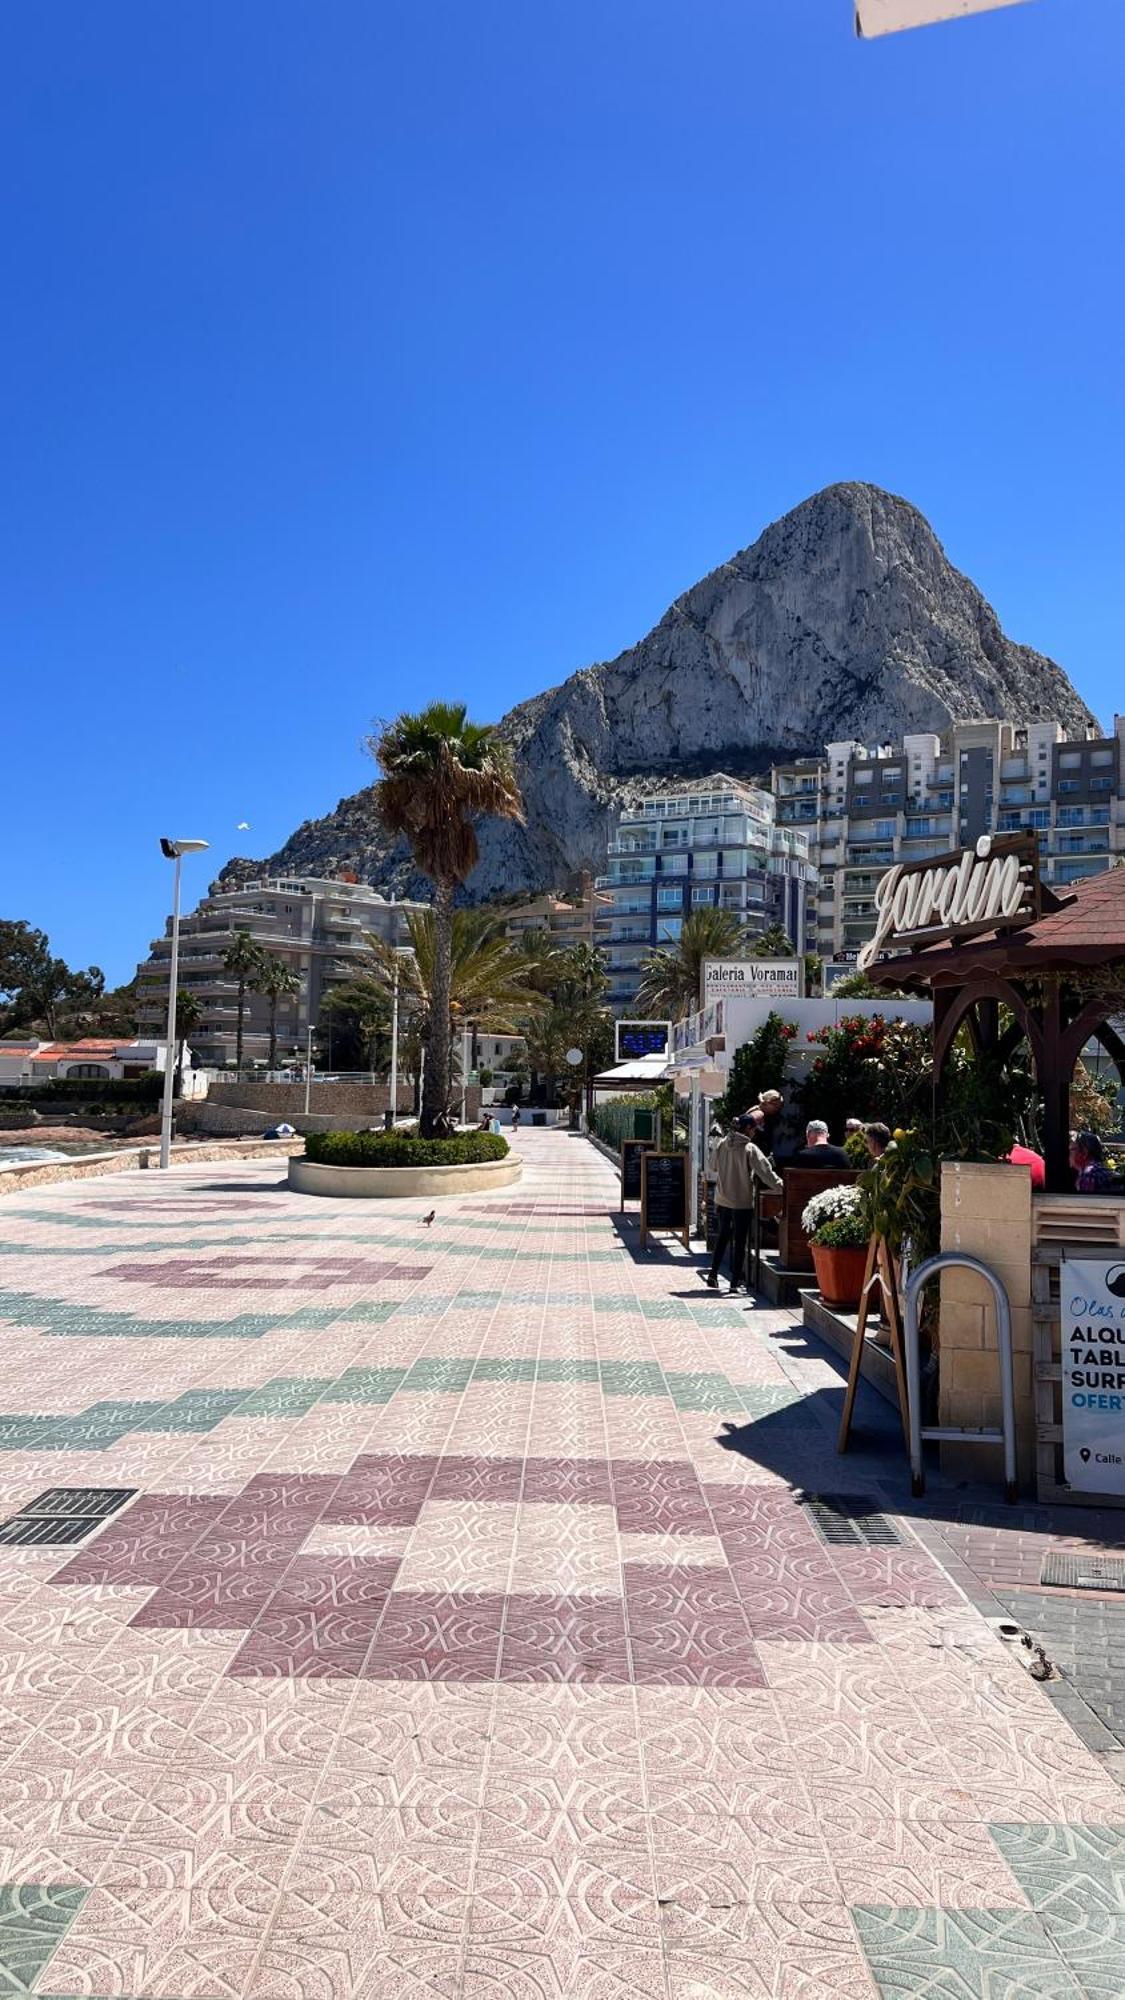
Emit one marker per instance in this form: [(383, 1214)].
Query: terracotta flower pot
[(839, 1274)]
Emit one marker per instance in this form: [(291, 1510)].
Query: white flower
[(830, 1203)]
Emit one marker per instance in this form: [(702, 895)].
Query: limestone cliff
[(844, 619)]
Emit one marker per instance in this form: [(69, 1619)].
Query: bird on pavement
[(427, 1219)]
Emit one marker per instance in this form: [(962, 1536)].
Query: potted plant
[(835, 1223)]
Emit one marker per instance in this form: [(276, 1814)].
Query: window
[(669, 899), (1070, 760), (1070, 785), (699, 896), (861, 777), (668, 929), (87, 1070), (1072, 816), (1101, 757), (1101, 784)]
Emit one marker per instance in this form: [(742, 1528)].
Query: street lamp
[(401, 951), (173, 850)]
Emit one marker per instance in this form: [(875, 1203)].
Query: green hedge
[(399, 1149), (106, 1091)]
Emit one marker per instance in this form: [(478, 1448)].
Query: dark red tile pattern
[(227, 1274), (239, 1563)]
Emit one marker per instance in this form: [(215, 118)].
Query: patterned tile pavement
[(469, 1632)]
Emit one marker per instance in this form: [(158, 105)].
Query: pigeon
[(427, 1219)]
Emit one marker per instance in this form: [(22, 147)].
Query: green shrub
[(398, 1149), (847, 1232), (103, 1093)]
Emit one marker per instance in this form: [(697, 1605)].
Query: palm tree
[(490, 979), (244, 961), (189, 1013), (277, 981), (440, 773), (774, 942), (358, 1015), (671, 976)]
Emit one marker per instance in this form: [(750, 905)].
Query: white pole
[(169, 1064), (393, 1094), (308, 1069), (464, 1069)]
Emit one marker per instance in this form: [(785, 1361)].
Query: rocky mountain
[(845, 619)]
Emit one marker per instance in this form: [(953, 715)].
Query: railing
[(945, 1433)]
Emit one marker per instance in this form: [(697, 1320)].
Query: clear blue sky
[(360, 352)]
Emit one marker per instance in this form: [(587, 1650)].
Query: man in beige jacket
[(738, 1164)]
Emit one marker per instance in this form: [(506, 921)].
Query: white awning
[(886, 17), (642, 1072)]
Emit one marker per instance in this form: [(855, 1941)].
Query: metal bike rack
[(1006, 1435)]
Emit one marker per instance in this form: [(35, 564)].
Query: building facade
[(865, 809), (712, 842), (569, 919), (318, 927)]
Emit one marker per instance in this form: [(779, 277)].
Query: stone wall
[(14, 1178), (364, 1101), (985, 1212), (219, 1114)]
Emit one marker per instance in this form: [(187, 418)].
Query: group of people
[(746, 1155)]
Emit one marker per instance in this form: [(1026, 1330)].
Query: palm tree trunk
[(435, 1093), (238, 1030), (273, 1032)]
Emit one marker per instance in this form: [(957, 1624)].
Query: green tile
[(1074, 1878), (498, 1369), (962, 1955), (33, 1921), (365, 1385), (62, 1318), (632, 1378), (561, 1368), (436, 1373), (286, 1396), (702, 1390)]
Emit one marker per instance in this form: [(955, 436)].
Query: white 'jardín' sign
[(982, 888)]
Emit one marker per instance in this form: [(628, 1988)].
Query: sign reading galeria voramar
[(750, 979), (1092, 1298)]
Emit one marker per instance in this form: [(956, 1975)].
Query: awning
[(644, 1072)]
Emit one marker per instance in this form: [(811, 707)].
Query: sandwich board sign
[(665, 1207), (1092, 1301)]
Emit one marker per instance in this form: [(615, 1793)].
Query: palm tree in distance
[(277, 981), (671, 975), (774, 942), (491, 983), (440, 772), (243, 961)]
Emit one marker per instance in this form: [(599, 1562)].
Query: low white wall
[(384, 1183)]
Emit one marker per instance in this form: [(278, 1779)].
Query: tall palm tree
[(277, 981), (244, 961), (440, 773), (671, 976)]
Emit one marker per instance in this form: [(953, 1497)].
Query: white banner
[(886, 17), (1092, 1297), (751, 979)]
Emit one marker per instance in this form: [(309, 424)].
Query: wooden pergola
[(1056, 975)]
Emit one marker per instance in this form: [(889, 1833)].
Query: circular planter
[(839, 1274), (384, 1183)]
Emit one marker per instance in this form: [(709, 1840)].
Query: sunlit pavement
[(453, 1615)]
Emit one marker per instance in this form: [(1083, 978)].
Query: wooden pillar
[(1054, 1081)]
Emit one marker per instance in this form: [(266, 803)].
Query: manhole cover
[(1067, 1571), (851, 1521), (63, 1514)]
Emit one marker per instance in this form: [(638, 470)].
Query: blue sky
[(352, 354)]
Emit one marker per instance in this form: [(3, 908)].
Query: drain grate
[(63, 1514), (849, 1520), (1067, 1571)]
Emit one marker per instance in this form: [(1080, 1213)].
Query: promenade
[(483, 1610)]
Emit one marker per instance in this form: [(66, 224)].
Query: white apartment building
[(865, 809), (712, 841), (317, 926)]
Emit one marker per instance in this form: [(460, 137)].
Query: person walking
[(738, 1164), (515, 1118)]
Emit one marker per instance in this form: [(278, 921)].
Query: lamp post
[(392, 1094), (173, 850), (308, 1068)]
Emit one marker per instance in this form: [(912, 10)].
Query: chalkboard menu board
[(631, 1150), (664, 1195)]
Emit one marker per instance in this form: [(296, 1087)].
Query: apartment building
[(864, 809), (715, 841), (317, 926), (569, 919)]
